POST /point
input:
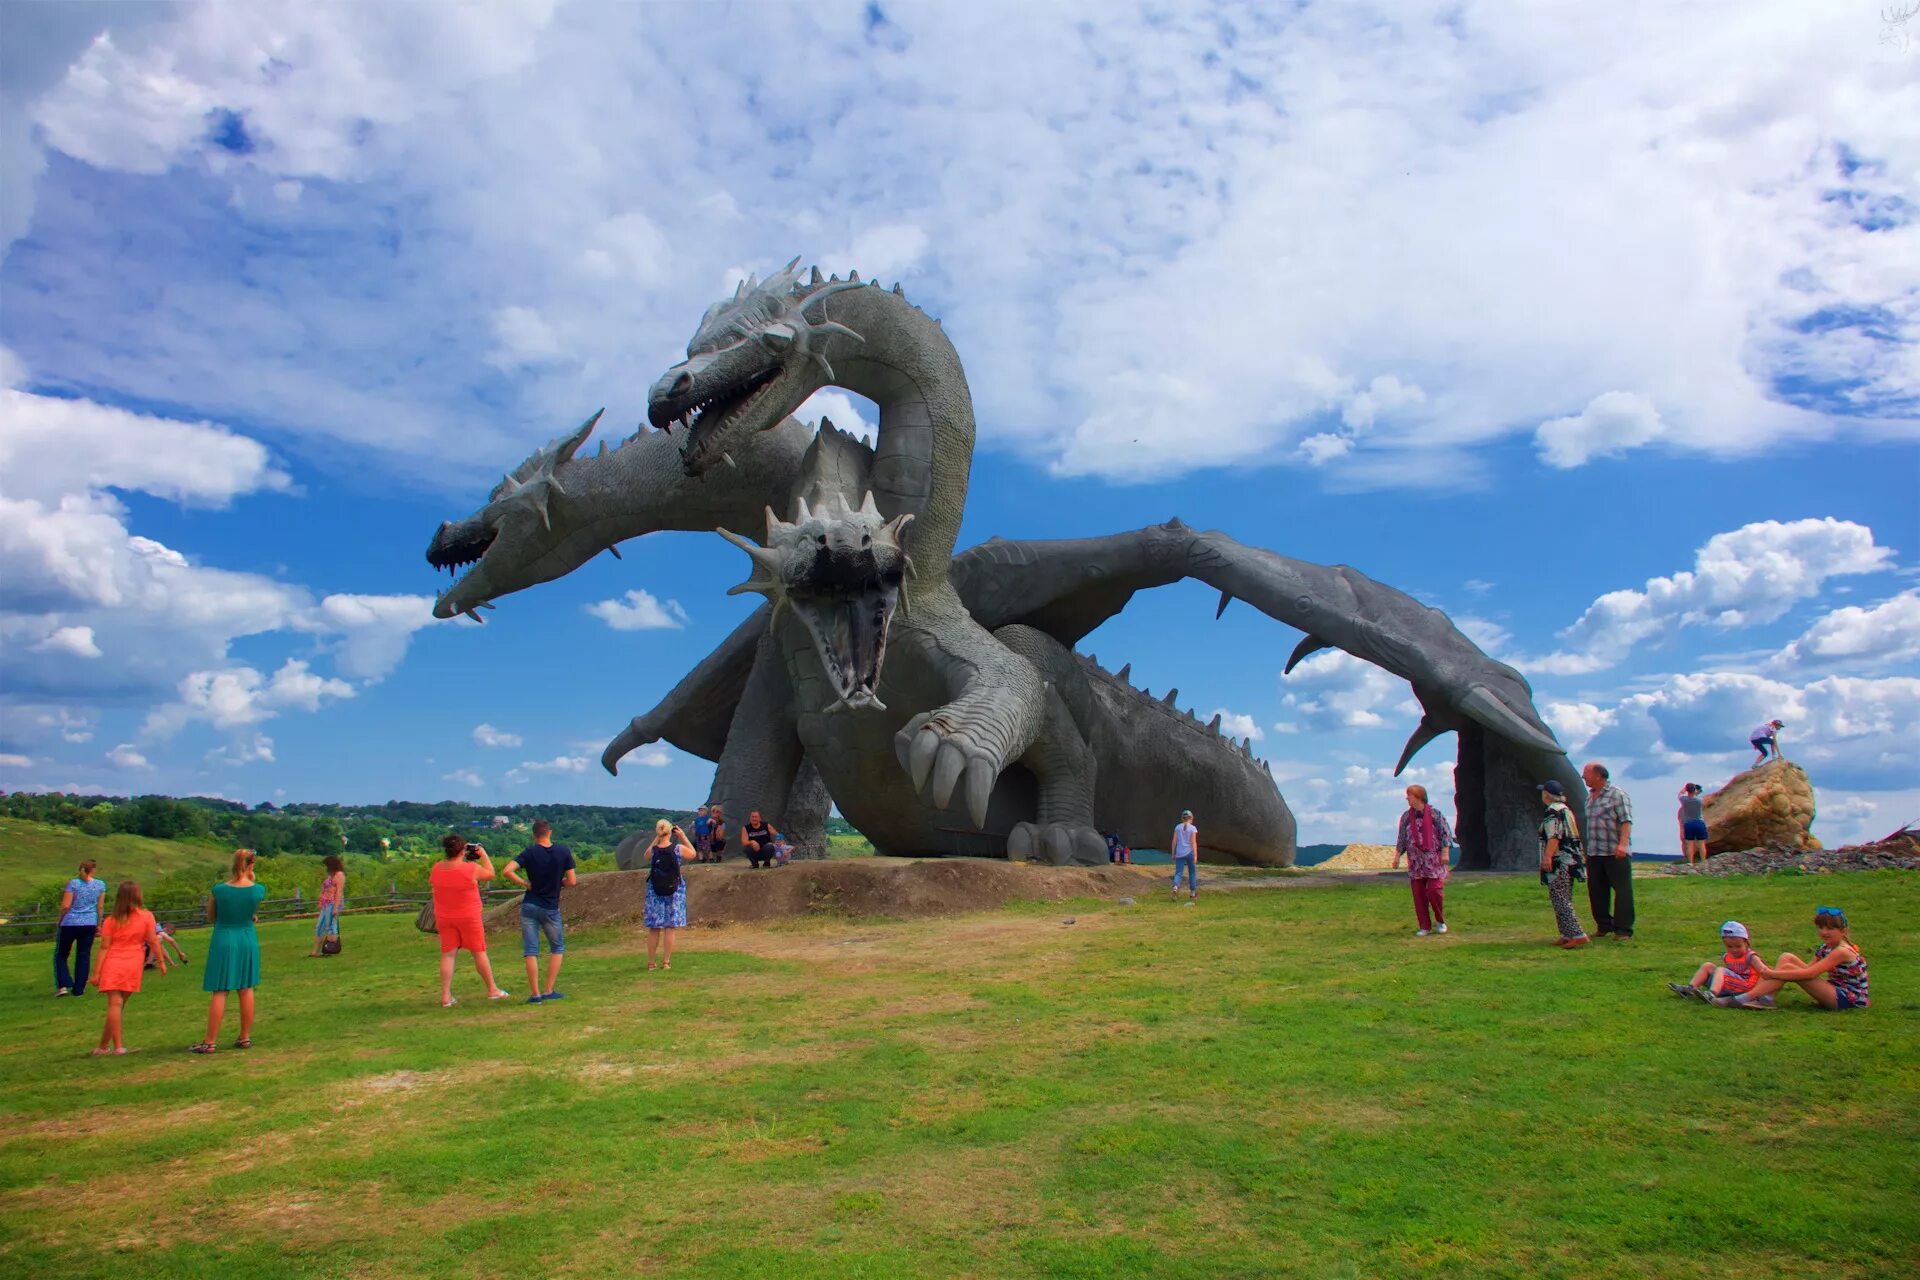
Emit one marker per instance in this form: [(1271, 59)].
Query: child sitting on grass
[(1735, 975), (1836, 979)]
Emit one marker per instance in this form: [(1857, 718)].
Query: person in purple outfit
[(1426, 842)]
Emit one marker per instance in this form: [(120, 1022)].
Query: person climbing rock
[(1766, 738)]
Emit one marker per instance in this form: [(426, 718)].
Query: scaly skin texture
[(756, 357), (759, 702)]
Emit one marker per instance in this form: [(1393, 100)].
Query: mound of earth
[(732, 893), (1762, 808), (1899, 851), (1360, 857)]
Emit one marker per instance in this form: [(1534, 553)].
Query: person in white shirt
[(1186, 854), (1764, 738)]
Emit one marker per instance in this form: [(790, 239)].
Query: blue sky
[(1596, 329)]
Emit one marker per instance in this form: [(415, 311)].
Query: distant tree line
[(399, 828)]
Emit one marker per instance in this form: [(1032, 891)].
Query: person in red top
[(128, 932), (1735, 975), (456, 881)]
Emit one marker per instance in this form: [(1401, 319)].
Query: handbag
[(424, 922), (330, 946)]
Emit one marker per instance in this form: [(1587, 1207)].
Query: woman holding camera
[(456, 881), (666, 908)]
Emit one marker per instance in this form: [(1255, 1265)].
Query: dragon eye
[(777, 337)]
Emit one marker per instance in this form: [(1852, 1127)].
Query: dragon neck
[(639, 487), (924, 450)]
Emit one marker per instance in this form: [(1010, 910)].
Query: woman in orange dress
[(127, 933)]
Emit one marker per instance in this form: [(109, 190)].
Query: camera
[(473, 852)]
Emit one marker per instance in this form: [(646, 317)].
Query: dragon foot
[(1057, 843), (932, 750)]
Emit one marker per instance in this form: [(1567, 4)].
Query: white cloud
[(1850, 733), (488, 736), (1237, 724), (368, 635), (559, 764), (1610, 425), (125, 757), (1575, 723), (76, 642), (639, 611), (465, 777), (240, 696), (1884, 633), (71, 446), (1754, 574), (1335, 690), (650, 758), (1485, 632), (13, 760), (1517, 215), (257, 749), (851, 414)]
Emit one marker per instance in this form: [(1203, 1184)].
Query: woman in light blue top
[(79, 920)]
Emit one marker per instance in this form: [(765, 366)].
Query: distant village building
[(500, 820)]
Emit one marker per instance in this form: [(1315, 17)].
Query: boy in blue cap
[(1733, 976)]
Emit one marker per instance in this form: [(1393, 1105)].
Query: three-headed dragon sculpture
[(936, 698)]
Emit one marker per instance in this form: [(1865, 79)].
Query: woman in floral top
[(1561, 862), (1427, 845)]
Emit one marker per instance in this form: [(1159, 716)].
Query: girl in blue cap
[(1836, 978)]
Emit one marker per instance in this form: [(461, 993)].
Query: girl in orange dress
[(127, 933)]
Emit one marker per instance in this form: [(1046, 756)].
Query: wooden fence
[(42, 925)]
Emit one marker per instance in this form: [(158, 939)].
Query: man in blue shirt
[(549, 866)]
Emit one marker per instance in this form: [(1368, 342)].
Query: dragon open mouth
[(850, 635), (458, 547), (715, 424)]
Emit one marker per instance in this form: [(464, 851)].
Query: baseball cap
[(1186, 813), (1553, 788), (1733, 929)]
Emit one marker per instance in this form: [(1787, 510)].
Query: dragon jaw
[(510, 543), (841, 571), (753, 360)]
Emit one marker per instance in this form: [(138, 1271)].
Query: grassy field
[(1278, 1082), (33, 854)]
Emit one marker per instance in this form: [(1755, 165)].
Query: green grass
[(1275, 1083), (35, 855)]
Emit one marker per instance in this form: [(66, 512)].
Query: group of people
[(133, 941), (763, 845), (1836, 977)]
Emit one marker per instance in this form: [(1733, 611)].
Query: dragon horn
[(828, 326), (570, 445)]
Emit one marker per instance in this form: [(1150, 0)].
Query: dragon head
[(513, 541), (840, 569), (755, 357)]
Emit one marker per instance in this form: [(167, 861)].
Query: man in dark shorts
[(758, 839), (549, 866)]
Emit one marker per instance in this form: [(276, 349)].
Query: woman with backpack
[(666, 890), (1562, 861)]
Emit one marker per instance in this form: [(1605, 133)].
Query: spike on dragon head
[(755, 357), (840, 570), (522, 506)]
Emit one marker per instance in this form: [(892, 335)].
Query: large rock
[(1771, 805)]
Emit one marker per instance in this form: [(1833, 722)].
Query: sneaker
[(61, 991), (554, 995), (1682, 990), (1441, 927), (535, 998), (1421, 933)]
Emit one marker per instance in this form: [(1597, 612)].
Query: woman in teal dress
[(233, 957)]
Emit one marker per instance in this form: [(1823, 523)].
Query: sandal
[(100, 1053), (244, 1042), (202, 1047)]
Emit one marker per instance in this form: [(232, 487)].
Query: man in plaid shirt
[(1609, 859)]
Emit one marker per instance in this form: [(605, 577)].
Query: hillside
[(34, 854)]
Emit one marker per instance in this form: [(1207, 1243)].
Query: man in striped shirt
[(1609, 858)]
